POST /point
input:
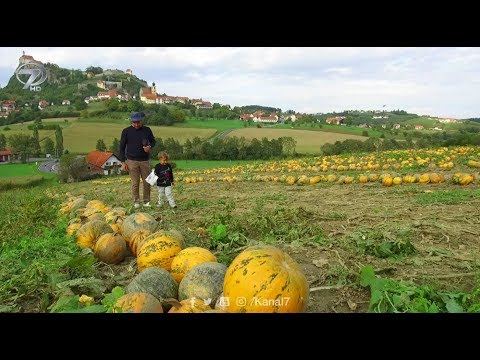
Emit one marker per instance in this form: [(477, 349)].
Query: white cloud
[(437, 81)]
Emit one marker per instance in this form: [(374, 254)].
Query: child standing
[(165, 180)]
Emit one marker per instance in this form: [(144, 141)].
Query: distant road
[(48, 166), (220, 135)]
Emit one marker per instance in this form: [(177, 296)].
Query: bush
[(72, 168), (88, 176)]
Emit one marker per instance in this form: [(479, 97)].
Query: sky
[(435, 81)]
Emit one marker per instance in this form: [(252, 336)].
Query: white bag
[(152, 178)]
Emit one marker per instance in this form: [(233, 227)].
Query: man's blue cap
[(136, 116)]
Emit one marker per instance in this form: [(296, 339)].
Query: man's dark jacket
[(132, 142)]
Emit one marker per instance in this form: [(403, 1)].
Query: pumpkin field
[(393, 231)]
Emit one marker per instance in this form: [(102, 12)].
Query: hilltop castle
[(26, 59)]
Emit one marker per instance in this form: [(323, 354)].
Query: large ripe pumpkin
[(115, 215), (204, 281), (137, 238), (72, 204), (170, 233), (155, 281), (138, 303), (88, 233), (189, 258), (265, 279), (98, 205), (142, 239), (96, 216), (177, 235), (136, 222), (111, 248), (158, 251)]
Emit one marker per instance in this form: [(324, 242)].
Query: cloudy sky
[(442, 82)]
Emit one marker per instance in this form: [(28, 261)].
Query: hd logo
[(37, 75)]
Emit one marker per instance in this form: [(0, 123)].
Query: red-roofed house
[(6, 155), (42, 104), (103, 162), (8, 105), (266, 119), (204, 105)]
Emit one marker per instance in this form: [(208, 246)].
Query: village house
[(148, 95), (447, 120), (204, 105), (6, 155), (272, 119), (293, 117), (8, 105), (42, 104), (337, 120), (110, 94), (103, 162), (246, 117)]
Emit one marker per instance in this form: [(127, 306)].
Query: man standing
[(136, 142)]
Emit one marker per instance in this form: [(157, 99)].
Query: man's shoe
[(136, 205), (147, 204)]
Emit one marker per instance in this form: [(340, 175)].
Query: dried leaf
[(320, 262), (352, 305)]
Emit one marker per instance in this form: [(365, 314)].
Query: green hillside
[(71, 84)]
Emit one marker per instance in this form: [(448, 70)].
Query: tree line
[(230, 148)]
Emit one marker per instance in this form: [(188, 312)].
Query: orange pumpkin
[(137, 238), (265, 279), (136, 222), (89, 232), (138, 303), (186, 259), (111, 248), (158, 251)]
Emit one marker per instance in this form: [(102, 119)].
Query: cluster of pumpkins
[(175, 278)]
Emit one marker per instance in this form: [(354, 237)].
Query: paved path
[(48, 166), (220, 135)]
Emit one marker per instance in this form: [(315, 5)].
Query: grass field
[(17, 170), (308, 142), (82, 137), (218, 124), (349, 130)]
